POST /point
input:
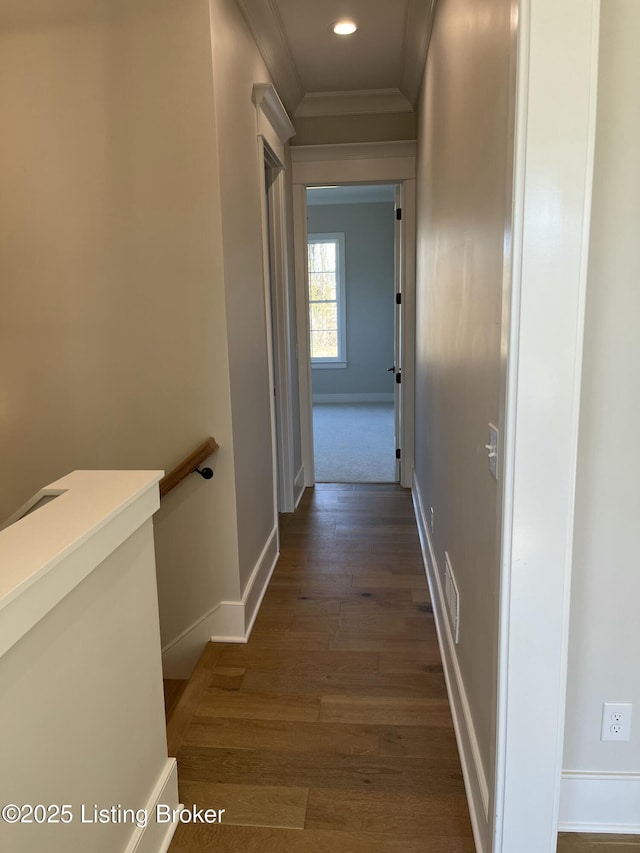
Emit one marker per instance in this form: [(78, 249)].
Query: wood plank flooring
[(330, 730), (582, 842)]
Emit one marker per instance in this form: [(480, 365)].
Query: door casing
[(380, 163)]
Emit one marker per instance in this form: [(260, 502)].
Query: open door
[(397, 340)]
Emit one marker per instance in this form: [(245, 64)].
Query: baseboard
[(298, 487), (475, 780), (227, 622), (156, 837), (258, 583), (353, 398), (600, 802)]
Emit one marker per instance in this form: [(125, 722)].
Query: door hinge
[(398, 378), (398, 299), (398, 453), (399, 213)]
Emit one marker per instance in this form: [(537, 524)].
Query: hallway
[(332, 720)]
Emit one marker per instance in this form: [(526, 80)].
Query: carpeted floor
[(354, 443)]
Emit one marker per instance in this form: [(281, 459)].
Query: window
[(326, 300)]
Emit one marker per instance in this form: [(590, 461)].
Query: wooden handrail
[(187, 466)]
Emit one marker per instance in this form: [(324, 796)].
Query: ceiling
[(310, 64)]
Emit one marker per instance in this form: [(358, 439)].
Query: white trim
[(180, 655), (227, 622), (329, 365), (96, 512), (273, 122), (418, 28), (274, 129), (352, 194), (274, 248), (156, 837), (347, 170), (475, 779), (600, 802), (268, 33), (279, 328), (363, 102), (553, 167), (302, 329), (337, 237), (408, 308), (258, 583), (353, 398), (298, 486), (372, 163)]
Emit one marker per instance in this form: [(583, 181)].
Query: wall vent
[(452, 597)]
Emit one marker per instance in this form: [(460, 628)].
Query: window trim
[(341, 299)]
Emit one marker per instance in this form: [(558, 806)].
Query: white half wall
[(81, 707)]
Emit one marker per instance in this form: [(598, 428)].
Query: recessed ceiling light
[(344, 28)]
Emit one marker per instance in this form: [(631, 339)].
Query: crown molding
[(267, 101), (364, 102), (417, 35), (266, 28)]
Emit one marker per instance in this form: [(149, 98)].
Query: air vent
[(452, 597)]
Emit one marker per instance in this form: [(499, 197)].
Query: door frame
[(398, 330), (543, 319), (367, 163), (274, 129)]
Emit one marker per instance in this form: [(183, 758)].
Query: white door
[(397, 341)]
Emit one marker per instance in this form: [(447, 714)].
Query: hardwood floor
[(173, 689), (330, 731), (595, 843)]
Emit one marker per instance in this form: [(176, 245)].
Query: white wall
[(370, 292), (605, 630), (82, 706), (463, 209)]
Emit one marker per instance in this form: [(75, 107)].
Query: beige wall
[(463, 210), (605, 629), (132, 312), (237, 66)]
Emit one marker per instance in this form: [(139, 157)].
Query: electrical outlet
[(616, 721), (431, 519)]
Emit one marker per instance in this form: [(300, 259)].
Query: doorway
[(357, 164), (353, 279)]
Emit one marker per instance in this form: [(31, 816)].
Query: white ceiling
[(305, 57)]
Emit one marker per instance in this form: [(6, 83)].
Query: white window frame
[(340, 360)]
